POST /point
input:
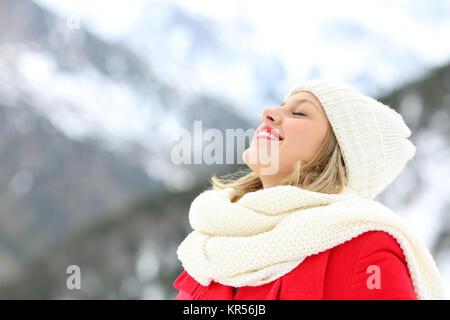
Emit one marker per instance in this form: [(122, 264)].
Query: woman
[(309, 228)]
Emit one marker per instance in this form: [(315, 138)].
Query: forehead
[(305, 95)]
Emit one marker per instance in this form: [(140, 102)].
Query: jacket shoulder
[(370, 242), (188, 287), (369, 266), (328, 273)]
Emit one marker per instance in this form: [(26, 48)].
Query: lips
[(268, 132)]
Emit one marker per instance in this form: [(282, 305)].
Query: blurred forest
[(81, 200)]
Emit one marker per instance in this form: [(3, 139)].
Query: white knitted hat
[(372, 136)]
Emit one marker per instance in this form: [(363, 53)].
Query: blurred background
[(92, 91)]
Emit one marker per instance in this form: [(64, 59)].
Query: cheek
[(304, 138)]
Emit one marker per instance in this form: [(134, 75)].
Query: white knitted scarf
[(269, 232)]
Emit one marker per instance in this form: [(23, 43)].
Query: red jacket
[(370, 266)]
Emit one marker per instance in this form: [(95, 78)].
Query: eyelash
[(299, 113)]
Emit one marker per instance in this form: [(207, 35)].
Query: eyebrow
[(301, 101)]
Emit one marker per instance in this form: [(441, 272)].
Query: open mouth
[(268, 133)]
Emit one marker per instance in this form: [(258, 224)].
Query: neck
[(270, 181)]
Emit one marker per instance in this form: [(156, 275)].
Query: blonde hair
[(324, 173)]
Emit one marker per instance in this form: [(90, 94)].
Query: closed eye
[(299, 114)]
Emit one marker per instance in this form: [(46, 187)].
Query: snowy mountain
[(253, 54), (85, 128), (89, 88)]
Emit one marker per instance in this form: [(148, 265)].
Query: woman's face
[(302, 125)]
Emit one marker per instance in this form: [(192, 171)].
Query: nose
[(271, 116)]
